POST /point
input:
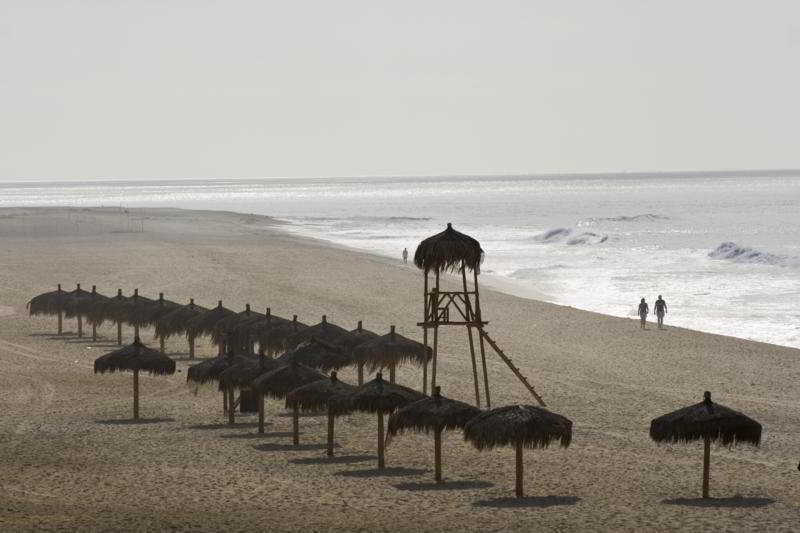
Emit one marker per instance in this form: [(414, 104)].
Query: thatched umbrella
[(72, 299), (381, 397), (329, 394), (135, 357), (318, 354), (283, 380), (387, 351), (49, 303), (100, 310), (260, 329), (135, 311), (204, 324), (432, 414), (80, 307), (524, 426), (708, 421), (446, 250), (177, 321), (241, 375), (273, 336), (348, 344), (325, 331), (226, 329), (149, 315), (209, 371)]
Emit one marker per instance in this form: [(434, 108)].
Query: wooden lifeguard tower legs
[(466, 304)]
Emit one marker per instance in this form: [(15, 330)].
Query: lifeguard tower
[(454, 252)]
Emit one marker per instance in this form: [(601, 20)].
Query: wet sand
[(70, 458)]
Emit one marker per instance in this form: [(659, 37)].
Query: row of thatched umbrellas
[(307, 351)]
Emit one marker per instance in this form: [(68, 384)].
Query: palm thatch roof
[(82, 303), (275, 335), (177, 321), (73, 299), (706, 420), (242, 374), (47, 303), (148, 313), (390, 350), (357, 336), (436, 413), (324, 394), (99, 310), (379, 396), (317, 354), (135, 356), (228, 325), (285, 379), (325, 331), (446, 250), (528, 425), (134, 310), (204, 324), (210, 369)]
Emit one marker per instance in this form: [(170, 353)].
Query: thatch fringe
[(706, 420), (324, 331), (209, 370), (390, 350), (357, 336), (319, 355), (176, 321), (446, 250), (436, 413), (83, 303), (135, 356), (48, 303), (529, 425), (379, 396), (325, 394), (283, 380), (226, 328), (242, 374), (204, 324)]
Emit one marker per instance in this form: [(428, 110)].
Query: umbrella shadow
[(528, 501), (311, 414), (266, 435), (464, 484), (336, 460), (91, 344), (132, 422), (224, 426), (185, 357), (396, 471), (274, 447), (733, 501)]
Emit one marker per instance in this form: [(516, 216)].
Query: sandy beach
[(71, 459)]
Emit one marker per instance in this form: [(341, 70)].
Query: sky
[(196, 88)]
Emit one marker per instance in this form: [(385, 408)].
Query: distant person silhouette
[(405, 255), (644, 309), (660, 308)]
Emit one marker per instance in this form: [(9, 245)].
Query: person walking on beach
[(405, 255), (660, 308), (644, 309)]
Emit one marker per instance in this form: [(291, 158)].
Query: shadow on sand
[(265, 435), (447, 485), (224, 426), (734, 501), (274, 447), (311, 414), (396, 471), (336, 460), (528, 501), (185, 357), (132, 422)]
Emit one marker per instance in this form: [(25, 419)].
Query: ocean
[(722, 249)]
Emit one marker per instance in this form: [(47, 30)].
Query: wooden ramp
[(512, 366)]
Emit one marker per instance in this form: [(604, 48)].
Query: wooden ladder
[(512, 366)]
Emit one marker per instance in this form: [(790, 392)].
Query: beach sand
[(71, 459)]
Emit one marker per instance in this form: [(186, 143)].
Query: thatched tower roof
[(379, 396), (324, 331), (390, 350), (228, 325), (446, 250), (357, 336), (204, 324), (242, 374), (47, 303), (176, 321), (210, 369), (324, 394), (82, 302), (528, 425), (317, 354), (135, 356), (432, 414), (285, 379), (706, 420)]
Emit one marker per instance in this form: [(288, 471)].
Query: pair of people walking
[(660, 309)]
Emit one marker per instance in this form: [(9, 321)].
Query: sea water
[(723, 250)]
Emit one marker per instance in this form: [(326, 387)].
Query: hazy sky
[(338, 88)]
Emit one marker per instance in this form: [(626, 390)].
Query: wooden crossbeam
[(512, 366)]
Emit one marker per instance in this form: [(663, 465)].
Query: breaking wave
[(569, 237), (731, 251)]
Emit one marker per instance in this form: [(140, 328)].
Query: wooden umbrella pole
[(425, 338), (136, 331), (477, 312), (434, 315), (520, 469), (360, 374), (224, 402), (161, 344), (470, 316), (392, 373), (191, 347), (60, 322), (94, 332), (706, 465), (260, 413), (119, 333), (330, 431), (381, 460), (80, 327), (136, 394), (437, 454), (295, 426), (231, 407)]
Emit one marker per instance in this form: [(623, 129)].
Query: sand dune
[(71, 459)]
